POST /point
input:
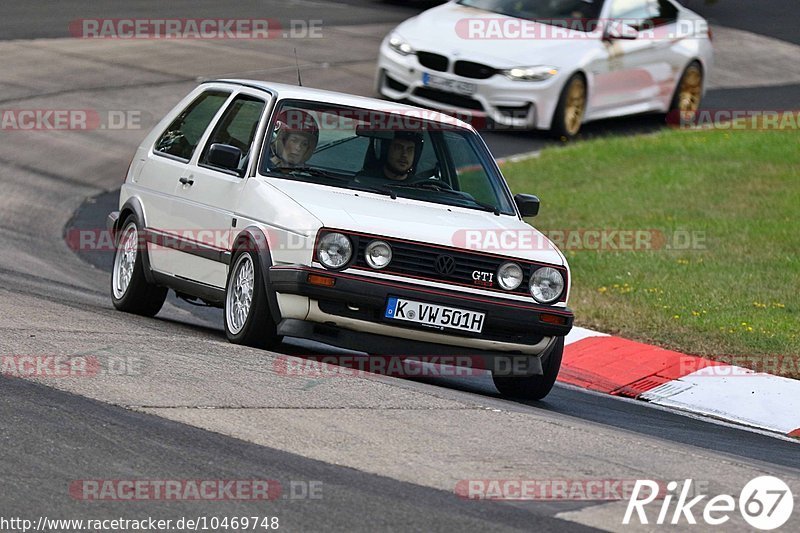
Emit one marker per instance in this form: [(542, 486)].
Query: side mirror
[(224, 156), (620, 31), (527, 204)]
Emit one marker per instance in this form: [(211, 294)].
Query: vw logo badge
[(445, 265)]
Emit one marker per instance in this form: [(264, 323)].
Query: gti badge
[(484, 279)]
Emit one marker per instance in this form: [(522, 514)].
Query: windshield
[(391, 153), (540, 9)]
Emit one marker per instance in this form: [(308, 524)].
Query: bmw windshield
[(540, 10), (398, 154)]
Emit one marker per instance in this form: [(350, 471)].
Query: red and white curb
[(621, 367)]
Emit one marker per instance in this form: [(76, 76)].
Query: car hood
[(443, 29), (438, 224)]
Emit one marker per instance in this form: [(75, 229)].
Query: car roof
[(284, 91)]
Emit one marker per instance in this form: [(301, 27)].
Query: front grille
[(433, 61), (444, 97), (419, 261), (478, 71)]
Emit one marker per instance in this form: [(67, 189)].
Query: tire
[(571, 108), (247, 317), (688, 93), (130, 291), (533, 387)]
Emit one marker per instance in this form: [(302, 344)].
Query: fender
[(134, 206), (254, 239)]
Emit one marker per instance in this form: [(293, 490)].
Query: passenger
[(295, 138)]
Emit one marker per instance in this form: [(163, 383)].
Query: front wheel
[(247, 317), (130, 291), (571, 108), (533, 387), (686, 100)]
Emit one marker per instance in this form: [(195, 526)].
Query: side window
[(237, 127), (428, 160), (641, 13), (469, 169), (182, 136), (630, 9), (664, 12)]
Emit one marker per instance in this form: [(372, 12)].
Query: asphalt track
[(387, 451)]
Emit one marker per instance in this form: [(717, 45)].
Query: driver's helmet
[(294, 121)]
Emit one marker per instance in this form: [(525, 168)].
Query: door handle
[(187, 181)]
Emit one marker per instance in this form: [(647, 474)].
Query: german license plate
[(446, 84), (438, 316)]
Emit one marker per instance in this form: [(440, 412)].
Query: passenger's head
[(404, 150), (295, 137)]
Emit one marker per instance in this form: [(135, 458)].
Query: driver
[(294, 139), (398, 159)]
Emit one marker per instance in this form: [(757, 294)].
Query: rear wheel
[(130, 291), (689, 92), (571, 108), (533, 387), (247, 317)]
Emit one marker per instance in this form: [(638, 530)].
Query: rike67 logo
[(765, 503)]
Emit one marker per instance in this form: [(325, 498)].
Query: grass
[(734, 196)]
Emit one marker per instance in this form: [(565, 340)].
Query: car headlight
[(378, 254), (399, 45), (509, 276), (536, 73), (334, 250), (546, 285)]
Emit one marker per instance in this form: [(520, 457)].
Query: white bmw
[(549, 64), (332, 217)]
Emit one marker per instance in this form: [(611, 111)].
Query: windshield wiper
[(438, 188), (313, 171)]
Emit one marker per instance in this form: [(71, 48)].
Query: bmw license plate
[(446, 84), (437, 316)]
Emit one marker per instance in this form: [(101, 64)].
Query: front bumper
[(512, 104), (353, 310)]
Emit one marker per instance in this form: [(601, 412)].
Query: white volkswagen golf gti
[(549, 64), (336, 218)]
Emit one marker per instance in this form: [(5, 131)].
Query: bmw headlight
[(535, 73), (378, 254), (399, 45), (509, 276), (334, 250), (546, 285)]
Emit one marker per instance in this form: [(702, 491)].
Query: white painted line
[(739, 395), (577, 334)]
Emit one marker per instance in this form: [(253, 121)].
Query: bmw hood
[(439, 224), (460, 31)]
